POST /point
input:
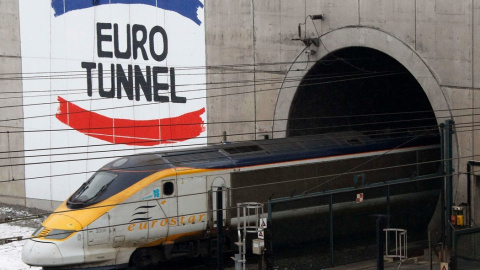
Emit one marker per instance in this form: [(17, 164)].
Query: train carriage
[(144, 209)]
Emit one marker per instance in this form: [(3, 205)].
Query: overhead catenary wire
[(366, 162), (392, 132), (409, 120), (196, 98), (266, 80), (323, 44), (83, 159), (71, 173), (210, 88), (231, 67), (253, 186), (14, 238), (458, 124), (365, 124), (295, 180), (161, 147), (316, 177)]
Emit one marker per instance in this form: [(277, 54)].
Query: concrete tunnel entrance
[(359, 89), (363, 89)]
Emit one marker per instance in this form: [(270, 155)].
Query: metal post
[(379, 227), (331, 229), (268, 239), (453, 257), (388, 206), (442, 147), (219, 229), (470, 164), (430, 249), (442, 193), (469, 191), (449, 172)]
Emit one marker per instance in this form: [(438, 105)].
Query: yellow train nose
[(62, 222)]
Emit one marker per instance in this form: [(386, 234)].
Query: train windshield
[(93, 187), (116, 176)]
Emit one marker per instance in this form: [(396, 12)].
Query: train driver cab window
[(93, 187), (168, 188)]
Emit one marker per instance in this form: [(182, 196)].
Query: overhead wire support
[(8, 240), (10, 219)]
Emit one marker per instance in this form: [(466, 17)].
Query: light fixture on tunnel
[(305, 40), (317, 17)]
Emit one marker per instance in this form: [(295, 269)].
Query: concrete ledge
[(14, 200), (42, 204)]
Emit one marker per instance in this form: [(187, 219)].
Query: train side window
[(168, 188)]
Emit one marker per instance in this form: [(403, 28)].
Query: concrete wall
[(12, 187), (252, 55), (434, 39)]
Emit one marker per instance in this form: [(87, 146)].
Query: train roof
[(258, 152), (124, 172)]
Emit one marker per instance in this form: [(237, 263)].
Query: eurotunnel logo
[(131, 132), (132, 42), (186, 8)]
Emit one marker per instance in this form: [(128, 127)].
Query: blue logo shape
[(186, 8), (156, 193)]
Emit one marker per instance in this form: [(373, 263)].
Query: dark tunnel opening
[(359, 89)]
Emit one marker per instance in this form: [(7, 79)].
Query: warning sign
[(263, 223), (261, 235), (360, 199), (444, 266)]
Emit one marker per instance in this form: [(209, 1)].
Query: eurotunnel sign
[(117, 76)]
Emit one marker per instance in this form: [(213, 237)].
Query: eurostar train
[(148, 208)]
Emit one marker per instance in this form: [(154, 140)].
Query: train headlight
[(58, 234)]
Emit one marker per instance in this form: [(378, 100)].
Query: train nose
[(41, 254)]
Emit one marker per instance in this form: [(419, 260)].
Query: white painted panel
[(192, 196), (98, 233), (57, 38)]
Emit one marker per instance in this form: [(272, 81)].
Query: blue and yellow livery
[(143, 209)]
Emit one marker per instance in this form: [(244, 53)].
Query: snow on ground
[(11, 253)]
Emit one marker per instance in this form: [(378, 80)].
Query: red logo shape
[(131, 132), (359, 197)]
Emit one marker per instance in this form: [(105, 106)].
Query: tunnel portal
[(359, 89)]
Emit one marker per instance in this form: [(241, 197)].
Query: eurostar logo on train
[(173, 221)]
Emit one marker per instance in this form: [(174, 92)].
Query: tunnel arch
[(376, 41), (361, 89), (346, 41)]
